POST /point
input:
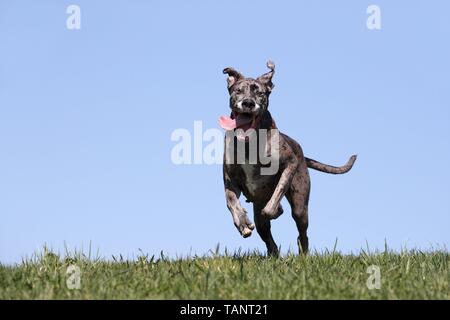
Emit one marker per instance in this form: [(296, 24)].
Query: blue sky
[(86, 117)]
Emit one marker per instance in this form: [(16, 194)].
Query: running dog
[(249, 102)]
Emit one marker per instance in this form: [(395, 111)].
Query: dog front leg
[(271, 209), (239, 214)]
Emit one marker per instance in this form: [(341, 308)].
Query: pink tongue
[(227, 123), (242, 121)]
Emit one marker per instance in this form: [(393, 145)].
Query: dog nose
[(248, 103)]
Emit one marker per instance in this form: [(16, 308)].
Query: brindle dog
[(249, 101)]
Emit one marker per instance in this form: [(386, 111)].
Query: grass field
[(328, 275)]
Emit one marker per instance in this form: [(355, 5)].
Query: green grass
[(329, 275)]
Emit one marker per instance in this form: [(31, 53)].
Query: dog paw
[(245, 226), (271, 212), (246, 232)]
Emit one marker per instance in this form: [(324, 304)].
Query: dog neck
[(267, 121)]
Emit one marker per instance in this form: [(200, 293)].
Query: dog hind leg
[(298, 197), (263, 228), (301, 219)]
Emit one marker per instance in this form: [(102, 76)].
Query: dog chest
[(255, 185)]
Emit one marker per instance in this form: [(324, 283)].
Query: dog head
[(249, 99)]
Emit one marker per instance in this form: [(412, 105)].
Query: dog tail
[(313, 164)]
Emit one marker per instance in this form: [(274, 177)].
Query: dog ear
[(266, 79), (233, 76)]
